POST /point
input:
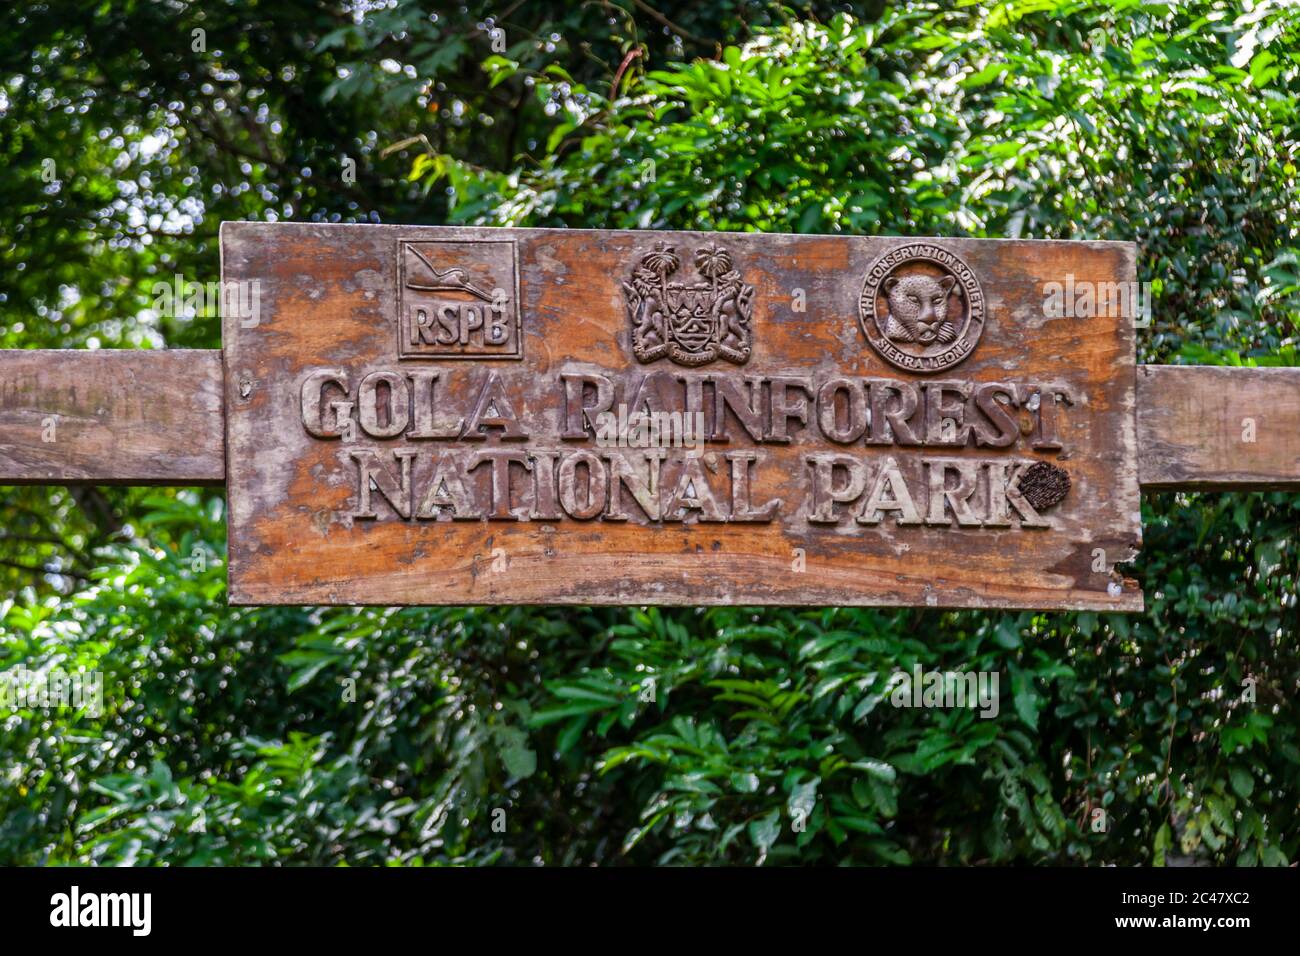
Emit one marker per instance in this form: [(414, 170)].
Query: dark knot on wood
[(1043, 485)]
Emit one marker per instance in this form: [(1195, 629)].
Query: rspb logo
[(458, 299)]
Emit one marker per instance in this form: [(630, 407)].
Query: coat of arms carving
[(692, 323)]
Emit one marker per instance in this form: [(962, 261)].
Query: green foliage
[(524, 735), (373, 735), (1057, 120)]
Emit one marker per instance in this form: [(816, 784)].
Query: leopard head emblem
[(921, 307), (918, 309)]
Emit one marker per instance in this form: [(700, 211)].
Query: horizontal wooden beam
[(155, 418), (1215, 428), (111, 417)]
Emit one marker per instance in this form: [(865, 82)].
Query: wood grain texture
[(1203, 428), (111, 417), (302, 532), (1176, 405)]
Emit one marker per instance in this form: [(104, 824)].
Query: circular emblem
[(921, 308)]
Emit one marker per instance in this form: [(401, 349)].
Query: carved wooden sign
[(432, 415)]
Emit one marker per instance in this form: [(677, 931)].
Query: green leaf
[(876, 768), (1243, 784), (764, 832)]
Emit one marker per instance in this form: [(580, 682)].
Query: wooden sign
[(429, 415)]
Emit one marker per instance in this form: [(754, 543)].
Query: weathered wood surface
[(330, 397), (1192, 422), (111, 417), (1203, 428)]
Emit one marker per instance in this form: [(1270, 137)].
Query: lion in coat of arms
[(690, 323)]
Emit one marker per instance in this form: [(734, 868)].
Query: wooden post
[(127, 417), (1212, 428), (434, 415), (118, 417)]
